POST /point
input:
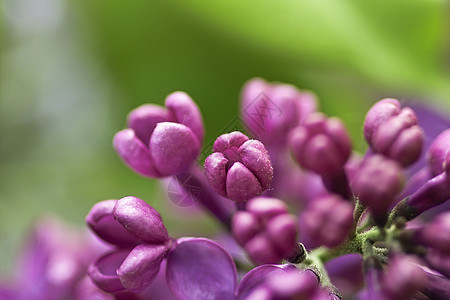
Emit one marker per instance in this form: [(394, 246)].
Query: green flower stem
[(357, 213)]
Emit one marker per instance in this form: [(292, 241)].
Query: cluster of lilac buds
[(266, 230), (346, 215)]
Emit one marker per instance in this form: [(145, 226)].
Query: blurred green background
[(71, 70)]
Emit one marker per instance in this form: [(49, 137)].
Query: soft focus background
[(71, 70)]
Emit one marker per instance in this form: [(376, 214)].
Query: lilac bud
[(436, 234), (266, 230), (394, 132), (101, 220), (321, 144), (434, 192), (239, 168), (403, 278), (161, 142), (141, 220), (439, 152), (439, 261), (271, 110), (326, 221), (377, 183)]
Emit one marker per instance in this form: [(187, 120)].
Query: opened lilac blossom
[(161, 142), (239, 168), (349, 230)]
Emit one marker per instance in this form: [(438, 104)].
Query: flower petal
[(199, 268), (134, 153), (255, 277), (173, 147), (141, 266), (215, 171), (103, 271), (101, 220), (241, 183), (255, 157), (144, 118), (141, 220), (187, 113)]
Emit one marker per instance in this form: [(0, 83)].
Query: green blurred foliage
[(66, 88)]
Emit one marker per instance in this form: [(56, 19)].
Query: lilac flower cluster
[(311, 215)]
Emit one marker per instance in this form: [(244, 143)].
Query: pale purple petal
[(141, 220), (103, 271), (199, 268), (101, 220), (187, 113), (245, 226), (141, 266), (173, 147), (134, 153)]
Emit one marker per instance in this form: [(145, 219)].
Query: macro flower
[(266, 230), (161, 141), (322, 145), (270, 110), (393, 131), (239, 168), (355, 217), (377, 183), (326, 221)]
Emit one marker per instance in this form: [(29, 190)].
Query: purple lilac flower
[(343, 227), (239, 168), (377, 183), (142, 242), (393, 131), (162, 141), (323, 145), (266, 230), (326, 221), (439, 153), (53, 262), (270, 110)]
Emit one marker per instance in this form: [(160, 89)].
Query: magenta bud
[(141, 220), (326, 221), (101, 220), (436, 234), (394, 132), (161, 142), (239, 168), (266, 230), (271, 110), (141, 266), (377, 183), (403, 278), (321, 145), (439, 153)]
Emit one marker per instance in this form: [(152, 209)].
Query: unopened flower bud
[(394, 132), (321, 144), (403, 278), (270, 110), (266, 230), (239, 168), (439, 153), (326, 221), (161, 142), (436, 234), (377, 183)]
